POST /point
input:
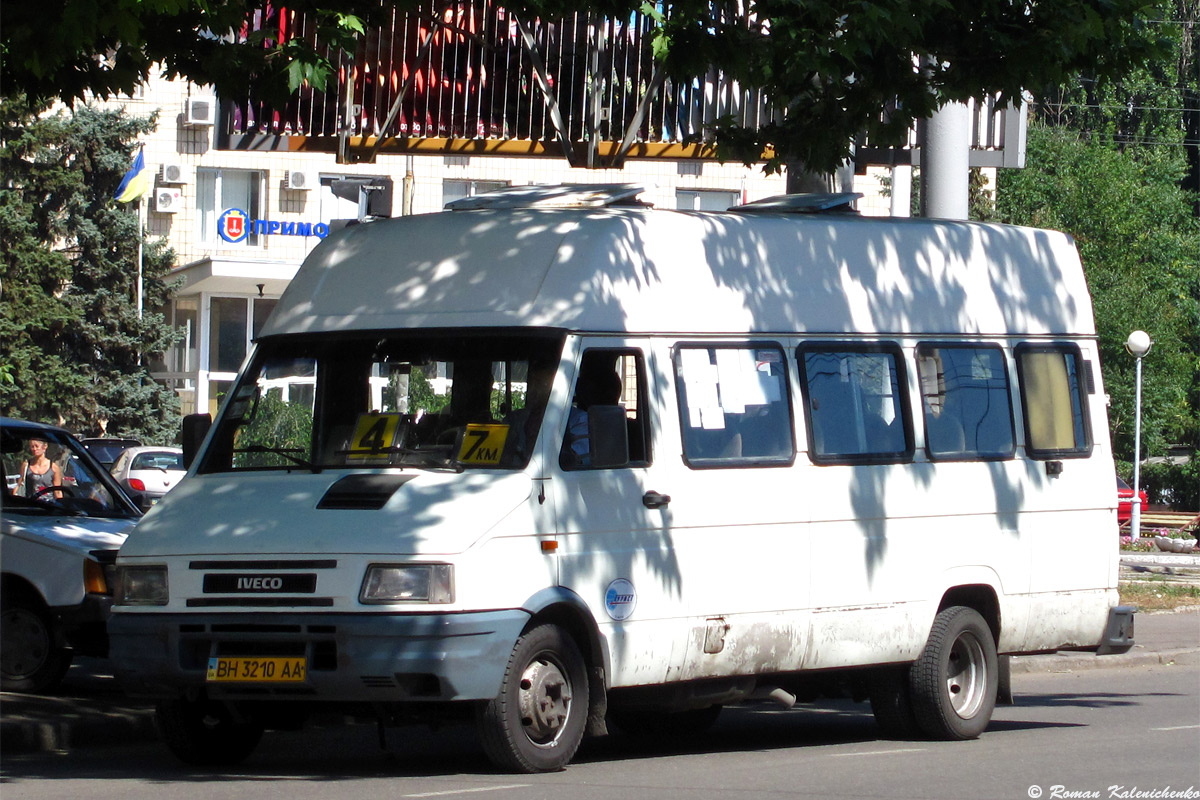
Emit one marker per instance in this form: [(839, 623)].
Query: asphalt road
[(1081, 731), (1081, 723)]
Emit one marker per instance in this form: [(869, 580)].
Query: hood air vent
[(362, 492)]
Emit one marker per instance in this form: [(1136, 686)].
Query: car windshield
[(69, 481), (435, 401)]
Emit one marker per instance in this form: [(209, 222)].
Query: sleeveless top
[(35, 483)]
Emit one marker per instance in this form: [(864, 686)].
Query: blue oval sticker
[(620, 599)]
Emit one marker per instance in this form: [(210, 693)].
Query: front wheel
[(536, 722), (206, 734), (953, 683), (30, 658)]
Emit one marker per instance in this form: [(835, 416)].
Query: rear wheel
[(536, 722), (30, 658), (206, 734), (891, 702), (953, 684)]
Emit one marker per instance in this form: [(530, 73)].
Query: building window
[(705, 199), (219, 190), (856, 406), (227, 333), (1052, 396), (733, 405), (456, 190), (262, 310), (182, 357), (966, 402)]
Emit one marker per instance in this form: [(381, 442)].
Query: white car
[(149, 471), (58, 545)]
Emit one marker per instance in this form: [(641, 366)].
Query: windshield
[(48, 472), (444, 401)]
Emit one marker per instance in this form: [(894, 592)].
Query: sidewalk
[(90, 709)]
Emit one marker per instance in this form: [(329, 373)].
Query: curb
[(60, 724), (1076, 662)]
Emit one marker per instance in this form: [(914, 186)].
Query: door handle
[(653, 499)]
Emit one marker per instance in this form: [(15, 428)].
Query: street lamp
[(1138, 344)]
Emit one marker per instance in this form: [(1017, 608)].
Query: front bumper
[(375, 658), (83, 626)]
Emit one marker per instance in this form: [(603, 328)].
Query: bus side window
[(856, 406), (1053, 401), (966, 402), (734, 405)]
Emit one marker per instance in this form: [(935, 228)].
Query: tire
[(953, 684), (31, 660), (206, 734), (649, 722), (1004, 692), (891, 702), (536, 722)]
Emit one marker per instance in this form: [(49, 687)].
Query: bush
[(1174, 485)]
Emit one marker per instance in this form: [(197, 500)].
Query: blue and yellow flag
[(136, 182)]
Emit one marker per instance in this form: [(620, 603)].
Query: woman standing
[(39, 473)]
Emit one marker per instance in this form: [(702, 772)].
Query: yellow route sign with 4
[(374, 436)]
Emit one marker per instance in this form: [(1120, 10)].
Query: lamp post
[(1138, 344)]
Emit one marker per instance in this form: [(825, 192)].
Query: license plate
[(257, 670)]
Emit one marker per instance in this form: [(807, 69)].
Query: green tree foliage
[(1139, 240), (836, 69), (278, 425), (72, 345)]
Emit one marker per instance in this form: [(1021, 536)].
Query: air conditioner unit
[(168, 201), (299, 180), (172, 173), (200, 111)]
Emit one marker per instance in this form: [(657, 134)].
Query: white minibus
[(556, 461)]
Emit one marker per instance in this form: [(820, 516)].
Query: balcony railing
[(469, 77)]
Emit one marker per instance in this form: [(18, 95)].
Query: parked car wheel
[(30, 659)]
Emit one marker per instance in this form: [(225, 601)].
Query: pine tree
[(72, 346)]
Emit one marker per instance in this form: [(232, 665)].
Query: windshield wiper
[(280, 451), (416, 458)]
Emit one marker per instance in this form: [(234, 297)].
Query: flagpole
[(141, 238)]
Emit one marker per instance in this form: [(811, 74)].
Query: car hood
[(257, 513), (76, 534)]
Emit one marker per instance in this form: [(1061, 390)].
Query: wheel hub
[(26, 643), (545, 701), (966, 676)]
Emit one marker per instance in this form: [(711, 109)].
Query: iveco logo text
[(259, 584)]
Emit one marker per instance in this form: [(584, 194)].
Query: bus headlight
[(141, 586), (408, 583)]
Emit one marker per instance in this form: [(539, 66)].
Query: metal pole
[(1135, 521), (946, 162)]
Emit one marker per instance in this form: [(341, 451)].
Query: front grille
[(317, 643), (261, 583)]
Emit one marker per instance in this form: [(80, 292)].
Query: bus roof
[(636, 269)]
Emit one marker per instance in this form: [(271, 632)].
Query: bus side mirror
[(195, 428), (608, 436)]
